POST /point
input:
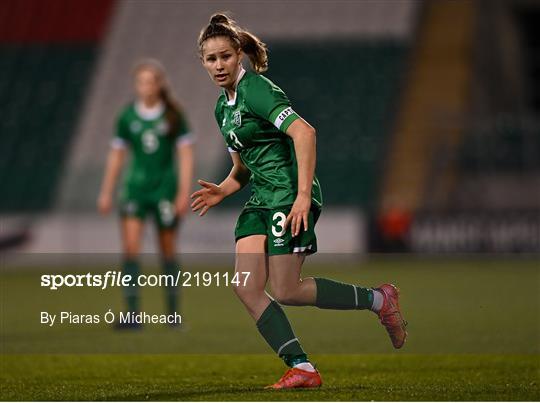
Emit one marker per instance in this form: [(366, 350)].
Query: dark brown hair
[(222, 25), (173, 110)]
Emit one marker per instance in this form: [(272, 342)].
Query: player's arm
[(185, 175), (115, 161), (303, 136), (212, 194)]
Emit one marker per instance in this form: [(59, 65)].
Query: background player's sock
[(378, 300), (170, 267), (131, 292), (276, 330), (335, 295)]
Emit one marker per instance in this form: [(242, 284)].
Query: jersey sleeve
[(121, 135), (184, 134), (269, 102)]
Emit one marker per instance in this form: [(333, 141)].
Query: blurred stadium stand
[(47, 50), (463, 169), (425, 111), (322, 81)]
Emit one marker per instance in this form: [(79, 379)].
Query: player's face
[(221, 60), (147, 84)]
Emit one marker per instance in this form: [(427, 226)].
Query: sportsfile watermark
[(82, 304), (113, 278)]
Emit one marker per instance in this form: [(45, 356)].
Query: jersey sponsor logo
[(285, 113), (237, 118), (279, 242), (150, 142), (135, 126)]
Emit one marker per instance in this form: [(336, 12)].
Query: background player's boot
[(390, 315), (298, 378)]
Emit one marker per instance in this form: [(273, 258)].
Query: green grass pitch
[(474, 335)]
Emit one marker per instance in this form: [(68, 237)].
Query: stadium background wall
[(356, 77)]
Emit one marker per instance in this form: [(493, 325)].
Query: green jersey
[(152, 167), (254, 125)]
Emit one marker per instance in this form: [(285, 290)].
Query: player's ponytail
[(222, 25), (255, 49), (173, 110)]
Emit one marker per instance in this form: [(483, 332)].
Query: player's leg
[(167, 223), (271, 321), (251, 259), (290, 289), (170, 267), (287, 254), (302, 373), (132, 229)]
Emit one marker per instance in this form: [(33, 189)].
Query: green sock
[(276, 330), (335, 295), (170, 267), (131, 292)]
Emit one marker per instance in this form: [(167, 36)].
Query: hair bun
[(219, 19)]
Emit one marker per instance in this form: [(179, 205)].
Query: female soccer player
[(273, 149), (154, 129)]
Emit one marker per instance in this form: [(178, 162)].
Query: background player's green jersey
[(153, 164), (254, 125)]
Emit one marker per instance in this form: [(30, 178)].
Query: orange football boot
[(297, 378), (390, 315)]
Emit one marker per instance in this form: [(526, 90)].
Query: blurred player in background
[(155, 130), (274, 149)]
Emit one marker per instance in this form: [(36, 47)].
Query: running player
[(154, 129), (273, 149)]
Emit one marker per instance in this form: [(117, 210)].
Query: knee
[(286, 296), (168, 254), (131, 246), (245, 294), (131, 251)]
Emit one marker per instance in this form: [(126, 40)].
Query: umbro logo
[(279, 241)]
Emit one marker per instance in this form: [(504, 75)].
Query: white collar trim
[(152, 113), (240, 75)]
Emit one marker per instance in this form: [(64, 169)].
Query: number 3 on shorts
[(278, 228)]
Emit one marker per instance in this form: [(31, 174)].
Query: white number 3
[(235, 140), (280, 224)]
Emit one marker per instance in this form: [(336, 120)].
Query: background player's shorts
[(256, 221), (162, 210)]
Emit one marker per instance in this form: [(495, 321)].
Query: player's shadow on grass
[(238, 393)]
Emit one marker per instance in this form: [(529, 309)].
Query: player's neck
[(149, 112), (150, 103), (231, 92)]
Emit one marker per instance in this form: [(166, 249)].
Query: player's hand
[(299, 214), (181, 205), (104, 203), (210, 195)]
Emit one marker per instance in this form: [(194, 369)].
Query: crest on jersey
[(135, 126), (237, 118)]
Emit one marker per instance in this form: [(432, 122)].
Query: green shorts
[(256, 221), (163, 211)]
